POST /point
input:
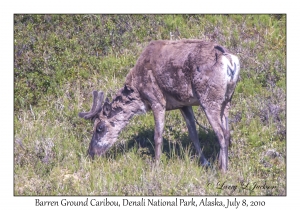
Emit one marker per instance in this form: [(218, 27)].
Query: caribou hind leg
[(188, 114), (224, 116), (215, 118)]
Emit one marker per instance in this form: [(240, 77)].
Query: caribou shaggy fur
[(171, 75)]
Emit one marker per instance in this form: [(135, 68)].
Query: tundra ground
[(60, 59)]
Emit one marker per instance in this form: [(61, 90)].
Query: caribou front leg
[(159, 118)]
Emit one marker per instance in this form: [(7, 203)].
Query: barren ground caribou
[(170, 75)]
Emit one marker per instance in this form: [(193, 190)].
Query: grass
[(60, 59)]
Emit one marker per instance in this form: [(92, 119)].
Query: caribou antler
[(96, 107)]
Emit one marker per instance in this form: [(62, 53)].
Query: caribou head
[(98, 114), (111, 117)]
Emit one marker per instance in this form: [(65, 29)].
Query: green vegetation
[(60, 59)]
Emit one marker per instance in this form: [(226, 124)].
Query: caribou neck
[(124, 106)]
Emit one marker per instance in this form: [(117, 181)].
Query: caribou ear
[(127, 90), (106, 107)]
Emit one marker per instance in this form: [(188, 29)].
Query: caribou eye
[(100, 128)]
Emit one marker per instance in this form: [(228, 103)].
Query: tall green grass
[(60, 59)]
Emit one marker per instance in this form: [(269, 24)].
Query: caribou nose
[(91, 151), (96, 150)]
